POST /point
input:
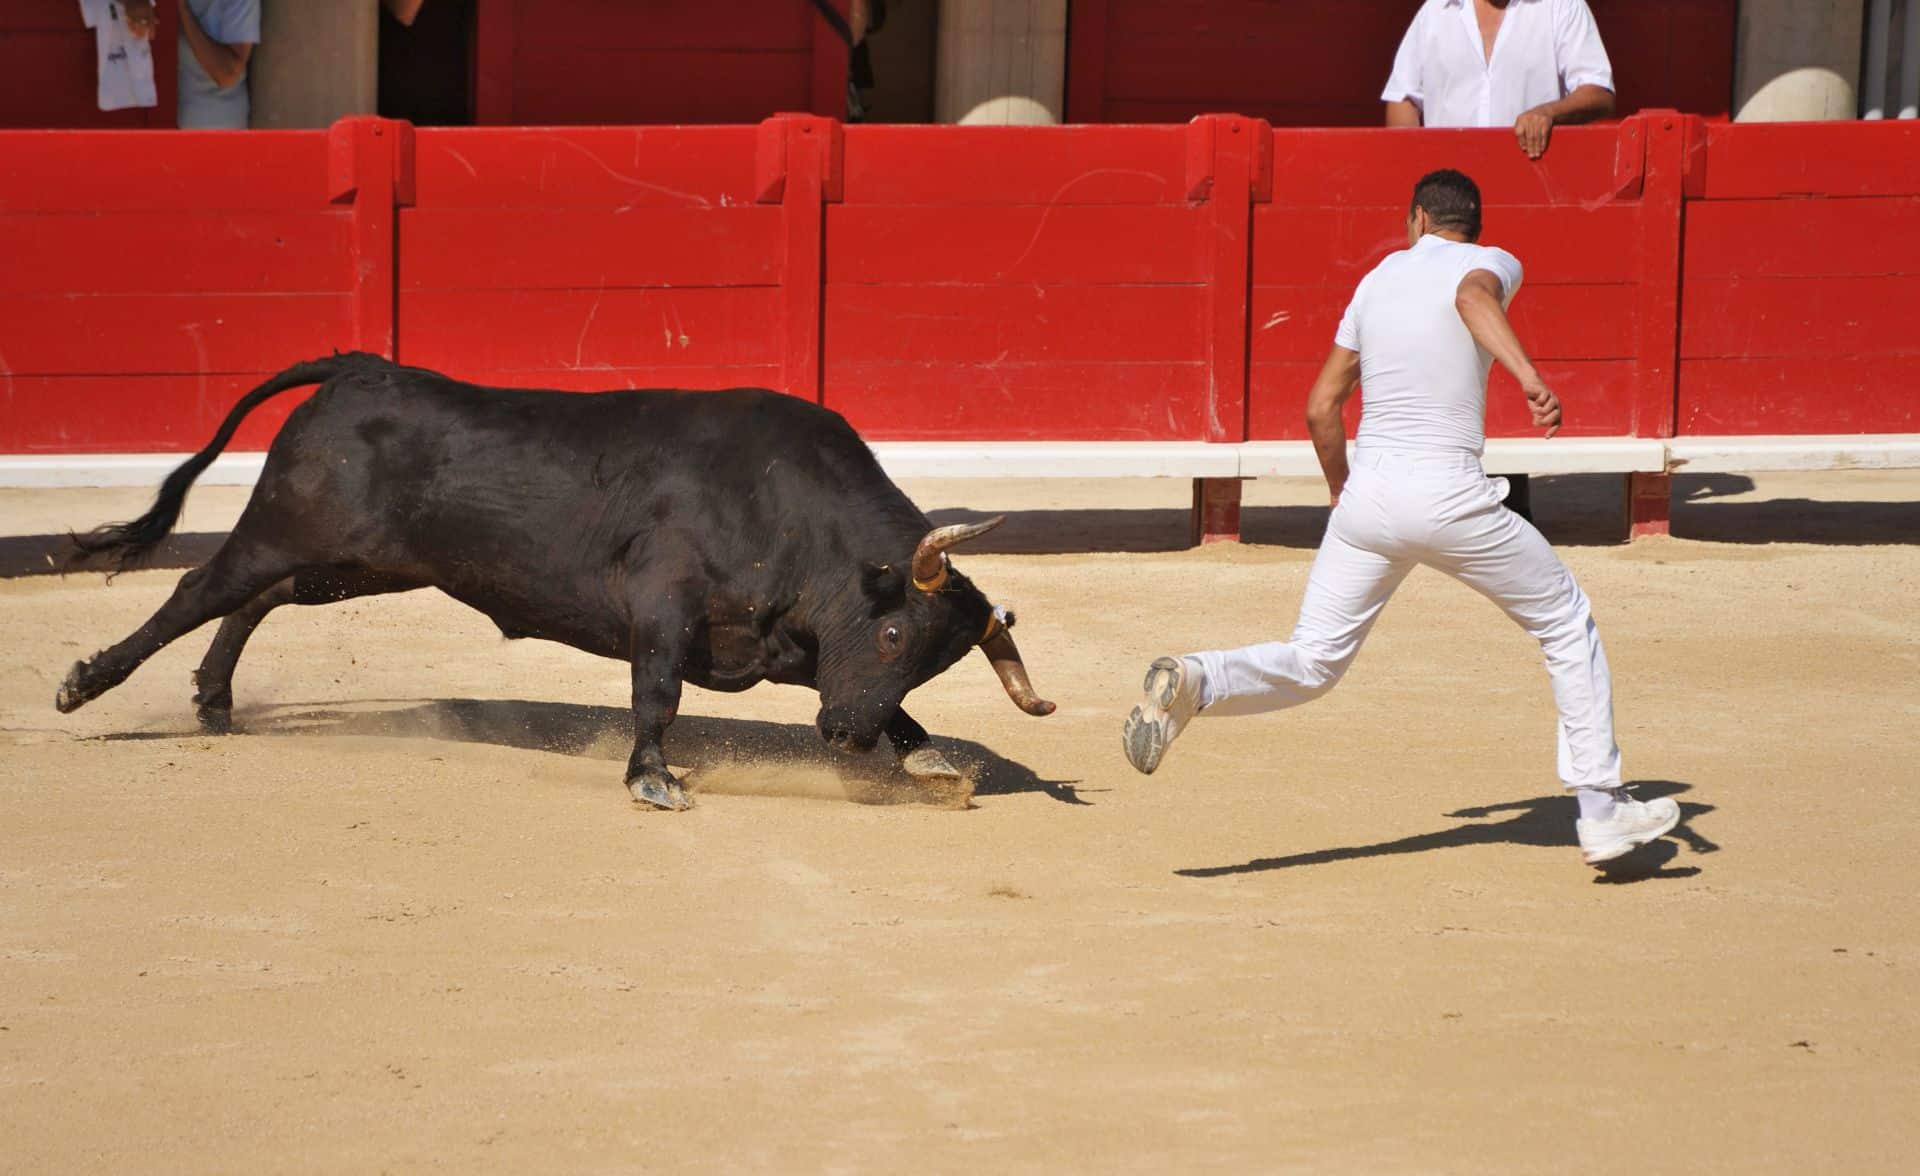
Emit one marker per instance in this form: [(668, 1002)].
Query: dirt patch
[(407, 918)]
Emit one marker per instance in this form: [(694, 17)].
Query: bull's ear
[(883, 584)]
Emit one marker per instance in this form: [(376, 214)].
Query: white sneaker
[(1172, 698), (1633, 824)]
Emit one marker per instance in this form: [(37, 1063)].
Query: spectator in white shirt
[(1528, 64)]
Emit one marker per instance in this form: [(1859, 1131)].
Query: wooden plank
[(572, 248), (1802, 238), (77, 334), (135, 413), (1376, 167), (1295, 244), (174, 253), (1008, 401), (1066, 245), (1027, 324), (613, 25), (1759, 160), (1775, 394), (584, 167), (1597, 394), (1002, 165), (1751, 318), (1566, 321), (513, 330), (564, 86), (608, 379), (178, 173), (1302, 112)]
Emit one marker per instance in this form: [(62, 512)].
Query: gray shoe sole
[(1146, 733)]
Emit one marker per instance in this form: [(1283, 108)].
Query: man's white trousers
[(1439, 509)]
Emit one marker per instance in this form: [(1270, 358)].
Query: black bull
[(719, 538)]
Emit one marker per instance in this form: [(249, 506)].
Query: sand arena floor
[(407, 919)]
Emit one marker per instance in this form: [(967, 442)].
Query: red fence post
[(1086, 61), (797, 165), (1674, 169), (1229, 166), (370, 166)]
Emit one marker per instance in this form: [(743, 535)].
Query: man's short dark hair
[(1451, 199)]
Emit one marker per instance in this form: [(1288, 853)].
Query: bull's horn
[(930, 558), (1005, 657)]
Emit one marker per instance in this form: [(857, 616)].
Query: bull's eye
[(890, 640)]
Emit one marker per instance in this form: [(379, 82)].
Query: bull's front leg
[(917, 754), (660, 633), (656, 699)]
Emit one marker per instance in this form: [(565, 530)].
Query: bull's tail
[(127, 545)]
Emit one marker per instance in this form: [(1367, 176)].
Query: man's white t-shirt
[(1423, 380), (1545, 49)]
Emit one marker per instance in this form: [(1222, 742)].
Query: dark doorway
[(426, 68)]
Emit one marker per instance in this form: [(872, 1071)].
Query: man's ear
[(884, 585)]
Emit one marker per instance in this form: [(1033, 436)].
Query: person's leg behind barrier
[(1354, 574)]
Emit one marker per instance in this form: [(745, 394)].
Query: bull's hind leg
[(238, 572), (213, 681)]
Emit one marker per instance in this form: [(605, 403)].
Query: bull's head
[(908, 625)]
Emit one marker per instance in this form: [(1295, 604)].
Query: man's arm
[(1535, 127), (403, 11), (225, 64), (1403, 113), (1479, 302), (1338, 377)]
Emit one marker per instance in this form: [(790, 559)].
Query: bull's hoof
[(928, 764), (936, 780), (660, 793), (73, 693), (215, 720)]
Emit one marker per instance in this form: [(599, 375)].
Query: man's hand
[(1533, 129), (1545, 405), (140, 17)]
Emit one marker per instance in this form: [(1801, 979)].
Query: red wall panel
[(566, 62), (1299, 64)]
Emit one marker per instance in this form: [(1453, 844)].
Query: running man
[(1421, 333)]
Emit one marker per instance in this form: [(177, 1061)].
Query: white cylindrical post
[(1798, 60), (1001, 61)]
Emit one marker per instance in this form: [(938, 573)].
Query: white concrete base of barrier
[(1758, 455), (1148, 459)]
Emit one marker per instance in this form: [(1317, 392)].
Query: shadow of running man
[(1542, 821)]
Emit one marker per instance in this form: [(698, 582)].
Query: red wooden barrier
[(149, 280), (975, 283), (1802, 275)]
